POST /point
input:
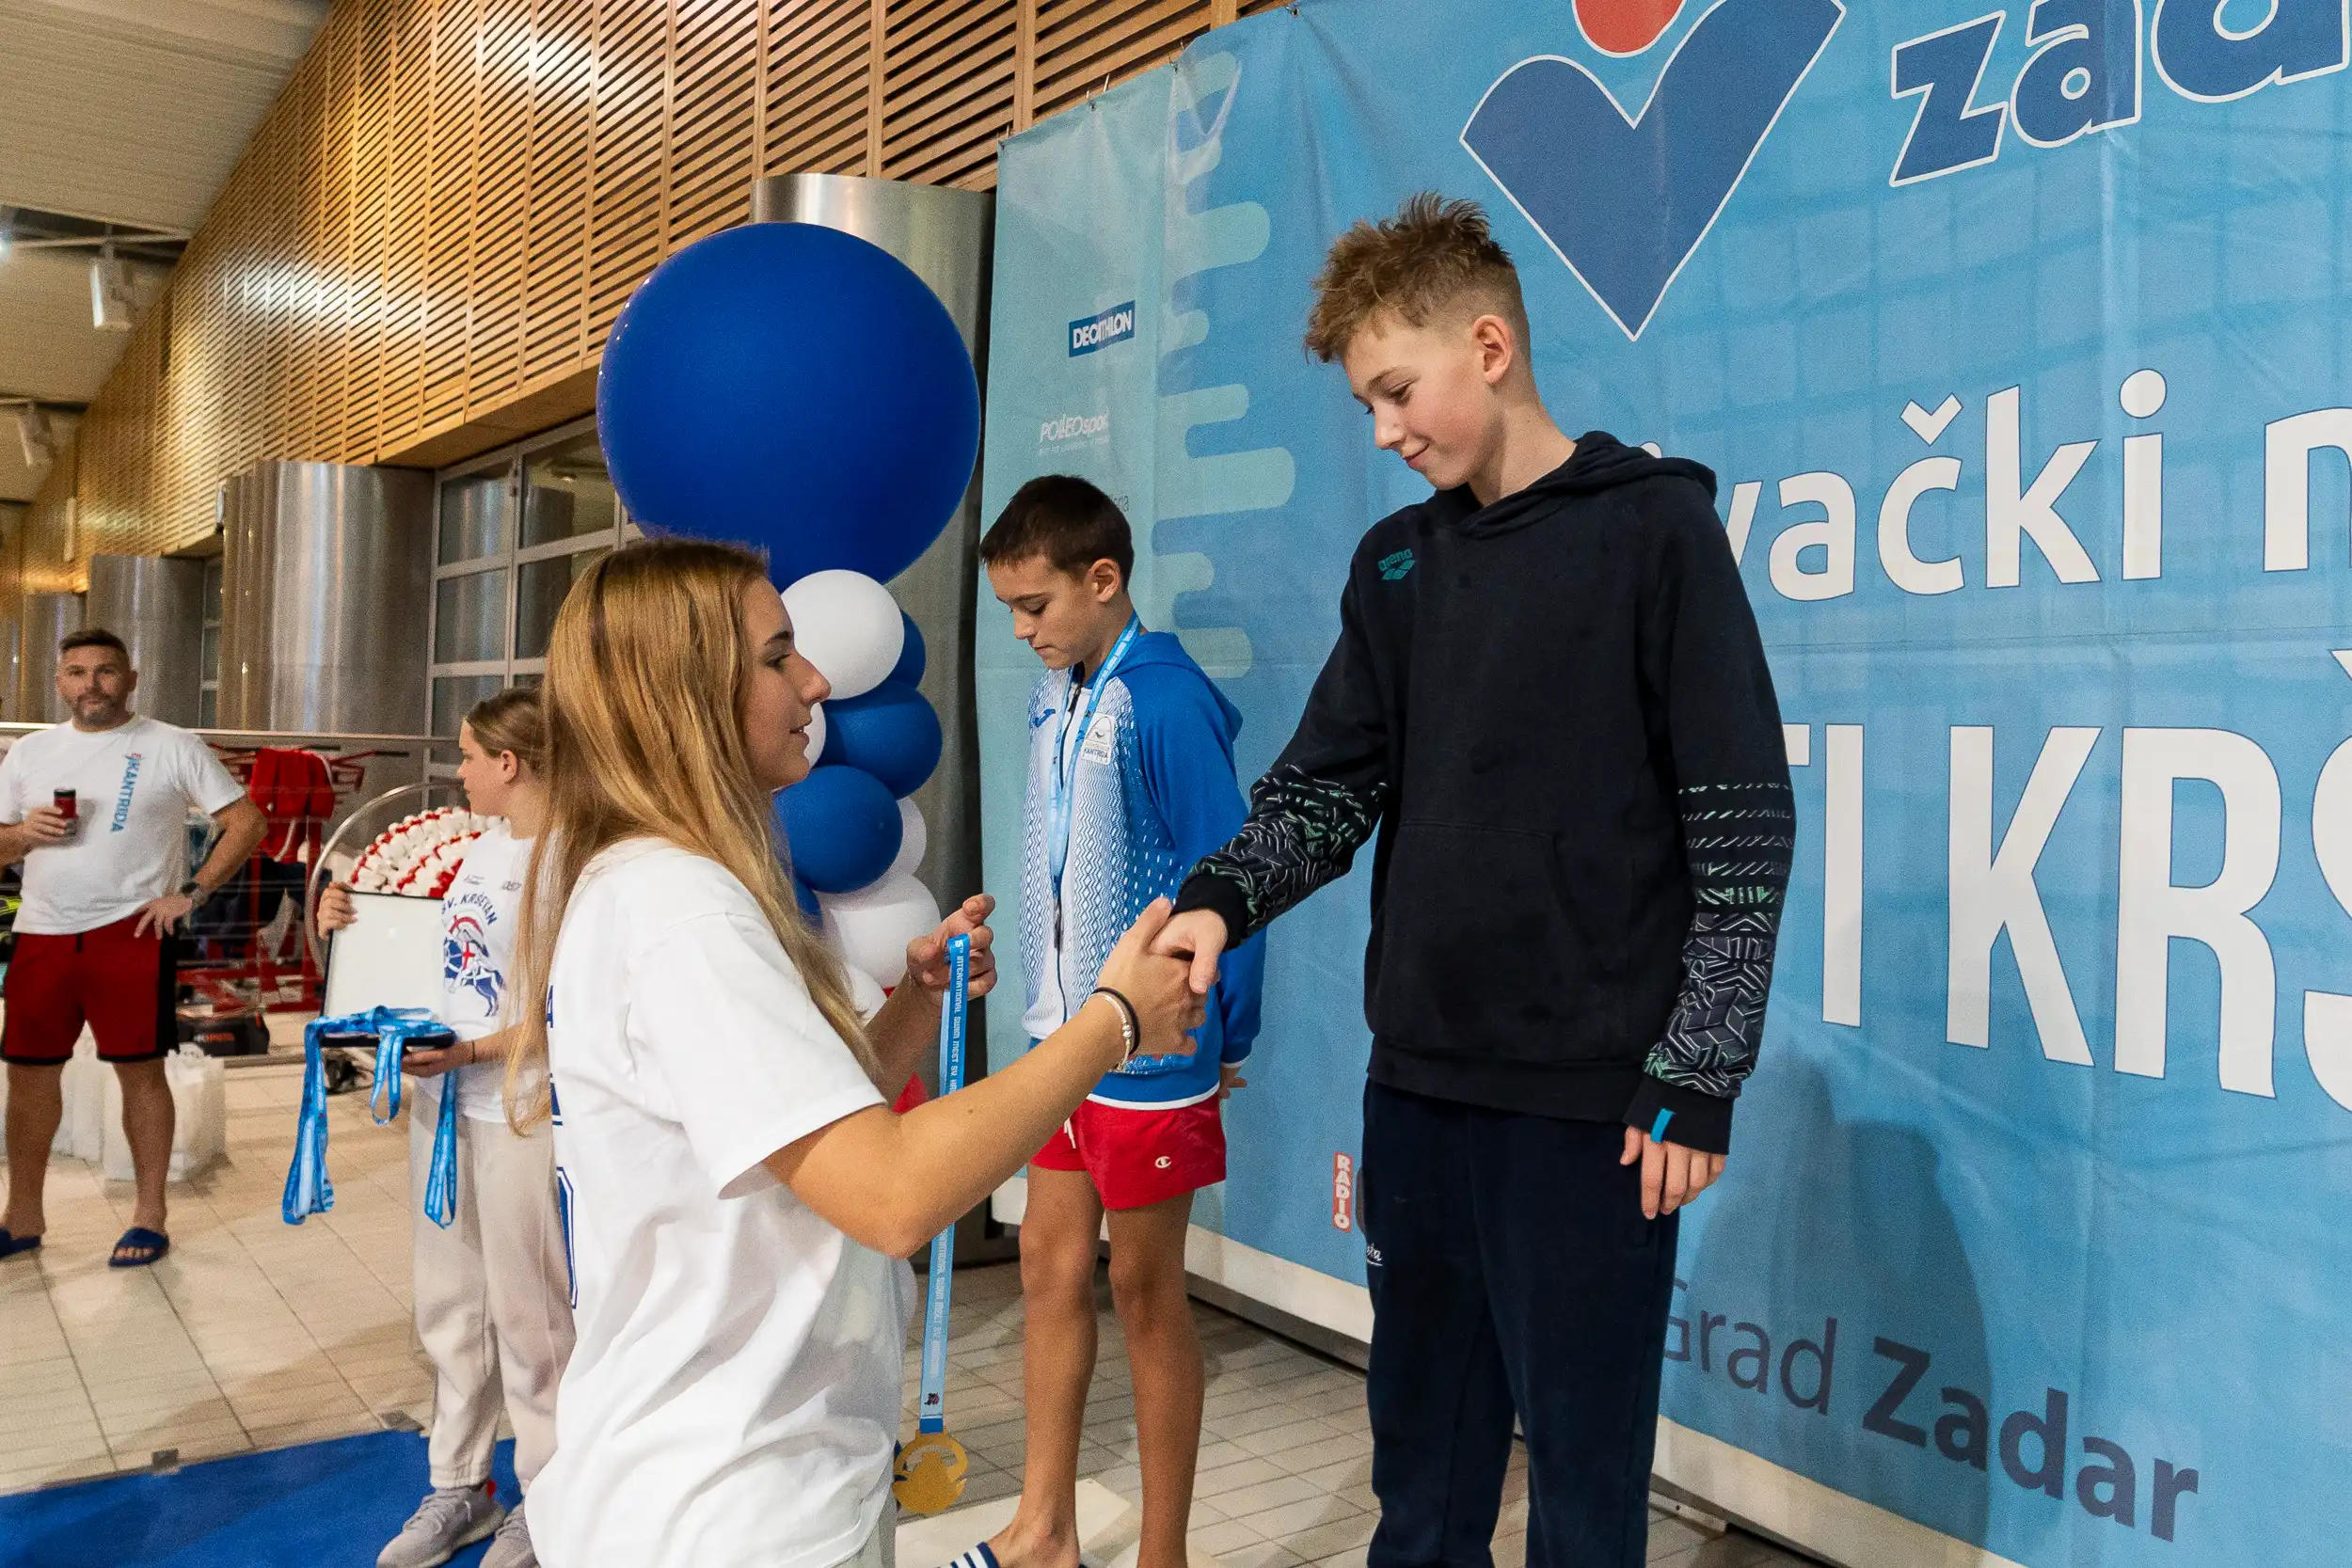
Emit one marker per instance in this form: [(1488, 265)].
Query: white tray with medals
[(389, 957), (393, 856)]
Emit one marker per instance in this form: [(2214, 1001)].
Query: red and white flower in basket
[(418, 856)]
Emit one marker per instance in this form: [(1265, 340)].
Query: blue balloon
[(806, 897), (911, 662), (796, 388), (841, 829), (891, 732)]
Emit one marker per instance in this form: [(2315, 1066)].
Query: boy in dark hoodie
[(1131, 782), (1550, 696)]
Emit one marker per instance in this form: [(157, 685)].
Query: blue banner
[(2019, 342)]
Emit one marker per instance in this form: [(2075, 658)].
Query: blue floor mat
[(323, 1505)]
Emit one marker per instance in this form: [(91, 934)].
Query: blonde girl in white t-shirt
[(493, 1292), (739, 1193)]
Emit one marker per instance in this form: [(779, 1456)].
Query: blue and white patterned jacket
[(1154, 791)]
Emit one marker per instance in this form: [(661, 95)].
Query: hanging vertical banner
[(2018, 340)]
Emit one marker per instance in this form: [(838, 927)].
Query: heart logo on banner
[(1625, 26), (1624, 199)]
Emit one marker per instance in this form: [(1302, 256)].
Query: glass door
[(516, 528)]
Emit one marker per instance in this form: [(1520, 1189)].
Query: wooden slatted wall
[(422, 249)]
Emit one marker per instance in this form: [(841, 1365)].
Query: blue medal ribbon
[(1065, 769), (440, 1182), (308, 1190), (930, 1409), (1064, 777), (383, 1094)]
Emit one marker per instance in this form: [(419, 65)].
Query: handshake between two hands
[(1165, 965)]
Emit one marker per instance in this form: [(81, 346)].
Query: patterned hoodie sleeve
[(1703, 662), (1315, 806)]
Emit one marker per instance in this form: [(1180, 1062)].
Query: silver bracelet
[(1130, 1023)]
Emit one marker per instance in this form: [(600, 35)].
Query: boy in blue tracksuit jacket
[(1131, 782)]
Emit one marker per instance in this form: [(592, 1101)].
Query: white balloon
[(817, 731), (912, 838), (870, 927), (849, 626)]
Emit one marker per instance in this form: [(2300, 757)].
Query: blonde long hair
[(644, 698)]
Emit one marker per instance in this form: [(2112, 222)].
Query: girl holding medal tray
[(493, 1289)]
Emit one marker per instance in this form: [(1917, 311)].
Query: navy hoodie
[(1556, 712)]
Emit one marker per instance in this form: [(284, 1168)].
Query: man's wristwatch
[(194, 891)]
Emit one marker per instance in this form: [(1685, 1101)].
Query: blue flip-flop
[(153, 1243), (11, 1246)]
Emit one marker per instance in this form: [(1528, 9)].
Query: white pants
[(493, 1296), (881, 1548)]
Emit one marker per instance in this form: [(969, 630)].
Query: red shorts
[(1140, 1158), (118, 984)]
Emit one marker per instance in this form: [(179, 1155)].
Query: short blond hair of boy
[(1435, 260)]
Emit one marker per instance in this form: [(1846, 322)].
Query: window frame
[(210, 604), (512, 462)]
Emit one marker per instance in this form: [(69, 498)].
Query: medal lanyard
[(308, 1190), (930, 1412), (1065, 771)]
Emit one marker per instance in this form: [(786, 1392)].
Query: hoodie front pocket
[(1481, 953)]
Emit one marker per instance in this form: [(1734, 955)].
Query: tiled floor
[(255, 1333), (1285, 1456), (251, 1334)]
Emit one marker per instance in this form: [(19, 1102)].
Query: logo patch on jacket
[(1396, 567), (1101, 741)]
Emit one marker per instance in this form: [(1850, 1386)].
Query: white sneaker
[(511, 1547), (449, 1520)]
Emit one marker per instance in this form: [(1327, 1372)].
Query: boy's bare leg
[(1164, 1353), (1058, 1236)]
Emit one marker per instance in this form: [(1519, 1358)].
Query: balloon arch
[(796, 389)]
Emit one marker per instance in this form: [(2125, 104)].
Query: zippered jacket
[(1152, 791)]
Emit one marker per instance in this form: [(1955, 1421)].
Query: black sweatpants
[(1511, 1271)]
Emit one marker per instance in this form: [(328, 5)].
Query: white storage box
[(82, 1132), (91, 1128), (199, 1098)]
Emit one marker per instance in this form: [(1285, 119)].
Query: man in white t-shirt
[(97, 809)]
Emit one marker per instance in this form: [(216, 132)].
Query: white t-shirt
[(134, 785), (733, 1396), (478, 917)]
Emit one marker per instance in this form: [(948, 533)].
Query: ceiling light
[(34, 433), (112, 301)]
